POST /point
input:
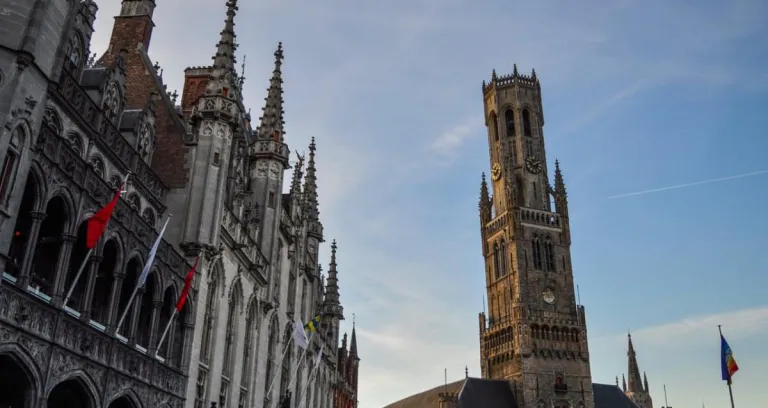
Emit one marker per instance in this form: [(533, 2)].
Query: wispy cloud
[(697, 183), (449, 141)]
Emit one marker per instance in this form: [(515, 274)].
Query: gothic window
[(304, 300), (115, 181), (503, 254), (166, 311), (10, 165), (217, 158), (537, 253), (200, 389), (144, 142), (549, 251), (494, 125), (110, 105), (509, 115), (251, 328), (277, 270), (134, 201), (527, 123), (146, 309), (97, 164), (105, 278), (76, 143), (74, 54), (21, 239), (271, 345), (234, 305), (496, 263), (49, 244), (285, 370), (149, 216), (209, 319)]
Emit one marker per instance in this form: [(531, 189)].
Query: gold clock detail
[(548, 296), (533, 165), (496, 171)]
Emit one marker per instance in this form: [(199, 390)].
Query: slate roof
[(481, 393), (610, 396)]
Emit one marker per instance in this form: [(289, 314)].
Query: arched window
[(211, 303), (494, 125), (52, 120), (22, 241), (11, 165), (251, 328), (503, 257), (166, 311), (74, 54), (76, 143), (97, 164), (274, 335), (549, 250), (527, 123), (235, 298), (277, 271), (49, 243), (115, 181), (105, 277), (509, 116), (146, 311), (537, 255), (285, 370), (496, 261)]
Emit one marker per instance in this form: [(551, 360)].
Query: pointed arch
[(52, 119), (127, 394), (62, 193), (21, 357), (40, 188), (81, 378)]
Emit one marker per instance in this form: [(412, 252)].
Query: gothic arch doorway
[(69, 394), (122, 402), (16, 386)]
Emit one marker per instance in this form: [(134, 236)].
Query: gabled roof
[(480, 393), (610, 396)]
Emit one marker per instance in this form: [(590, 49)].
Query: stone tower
[(534, 334), (636, 388)]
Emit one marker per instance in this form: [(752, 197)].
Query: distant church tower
[(534, 334), (636, 390)]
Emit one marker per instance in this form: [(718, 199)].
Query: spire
[(353, 342), (617, 380), (559, 182), (332, 283), (485, 201), (466, 372), (297, 175), (635, 382), (271, 126), (561, 195), (514, 70), (645, 382), (225, 49), (310, 186), (623, 383)]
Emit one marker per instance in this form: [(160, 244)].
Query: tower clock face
[(548, 296), (533, 165), (496, 171)]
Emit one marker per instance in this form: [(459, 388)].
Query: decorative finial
[(174, 96), (466, 372), (514, 70)]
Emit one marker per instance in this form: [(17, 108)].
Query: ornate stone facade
[(72, 127)]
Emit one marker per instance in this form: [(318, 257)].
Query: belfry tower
[(534, 334)]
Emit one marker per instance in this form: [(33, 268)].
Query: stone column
[(114, 306), (154, 335), (26, 264), (87, 299), (62, 268)]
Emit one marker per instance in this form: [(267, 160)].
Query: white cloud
[(451, 140)]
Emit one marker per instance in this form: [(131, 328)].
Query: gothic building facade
[(71, 129), (533, 339)]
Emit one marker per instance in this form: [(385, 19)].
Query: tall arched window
[(74, 54), (527, 123), (251, 330), (537, 255), (211, 303), (496, 261), (504, 256), (549, 251), (11, 165), (494, 125), (235, 299), (285, 370), (274, 336), (509, 116), (110, 104), (278, 264)]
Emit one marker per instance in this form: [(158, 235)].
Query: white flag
[(299, 336), (151, 257), (319, 357)]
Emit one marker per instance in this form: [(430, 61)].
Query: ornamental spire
[(271, 126)]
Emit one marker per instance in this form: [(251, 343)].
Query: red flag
[(187, 286), (98, 223)]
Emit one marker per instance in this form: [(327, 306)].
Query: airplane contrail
[(697, 183)]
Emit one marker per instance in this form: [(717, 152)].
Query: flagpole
[(127, 307), (165, 332), (311, 376), (304, 353), (730, 389), (77, 277), (277, 367)]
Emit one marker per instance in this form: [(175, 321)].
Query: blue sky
[(637, 96)]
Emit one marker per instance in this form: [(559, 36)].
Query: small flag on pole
[(299, 336), (98, 223), (313, 324), (187, 287), (727, 361), (151, 257)]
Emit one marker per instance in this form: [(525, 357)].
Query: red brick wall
[(169, 157), (194, 88)]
